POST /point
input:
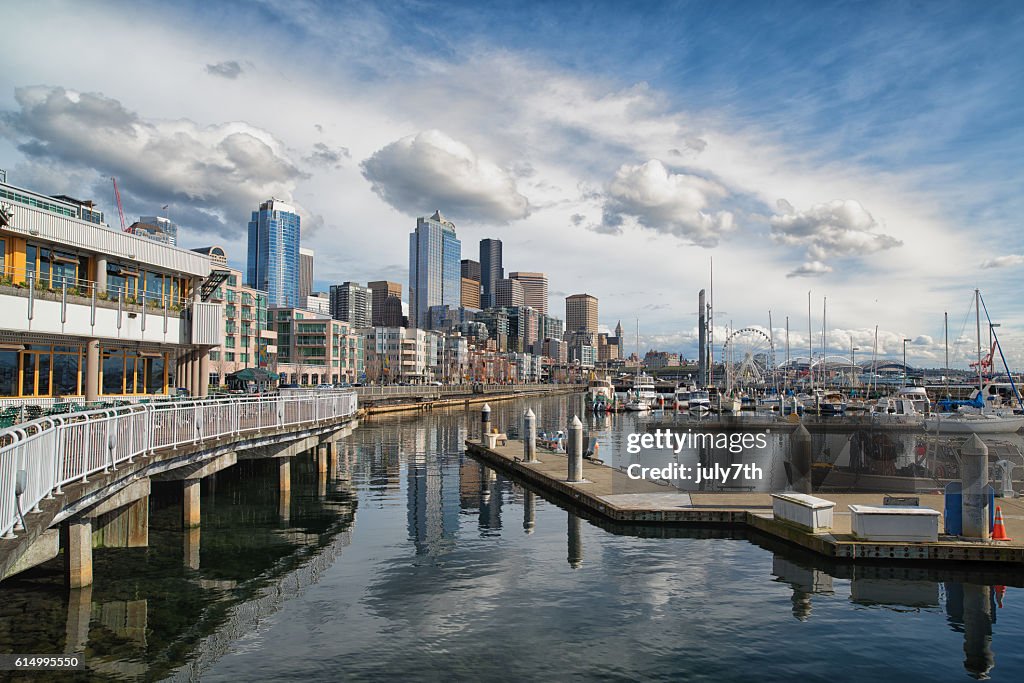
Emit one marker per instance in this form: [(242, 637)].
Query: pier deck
[(613, 494)]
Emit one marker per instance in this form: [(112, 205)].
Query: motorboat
[(699, 402), (973, 423), (600, 395)]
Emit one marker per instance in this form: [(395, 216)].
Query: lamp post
[(905, 362)]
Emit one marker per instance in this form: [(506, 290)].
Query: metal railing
[(430, 390), (39, 458)]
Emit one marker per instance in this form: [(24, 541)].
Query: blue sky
[(866, 151)]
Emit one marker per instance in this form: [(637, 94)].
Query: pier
[(613, 495)]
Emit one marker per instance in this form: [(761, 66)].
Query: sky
[(865, 155)]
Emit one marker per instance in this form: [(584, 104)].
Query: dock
[(611, 494)]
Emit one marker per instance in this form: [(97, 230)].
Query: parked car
[(321, 387)]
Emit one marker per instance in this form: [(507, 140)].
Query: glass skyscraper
[(435, 268), (491, 270), (274, 253)]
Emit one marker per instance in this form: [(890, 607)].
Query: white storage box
[(895, 524), (804, 511)]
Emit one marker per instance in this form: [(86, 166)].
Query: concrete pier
[(78, 551), (575, 450), (974, 474), (190, 503), (612, 494), (529, 436), (284, 475), (191, 541)]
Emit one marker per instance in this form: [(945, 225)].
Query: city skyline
[(874, 169)]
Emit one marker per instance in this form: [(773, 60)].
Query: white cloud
[(430, 170), (671, 203), (1004, 261), (836, 228), (221, 172), (810, 269)]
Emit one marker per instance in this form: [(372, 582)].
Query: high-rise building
[(273, 264), (435, 255), (470, 293), (382, 290), (156, 228), (581, 313), (490, 270), (535, 289), (620, 341), (305, 273), (508, 293), (352, 303), (471, 269)]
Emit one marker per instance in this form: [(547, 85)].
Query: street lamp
[(905, 362)]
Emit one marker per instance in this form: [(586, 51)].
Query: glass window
[(8, 373), (65, 374), (113, 373)]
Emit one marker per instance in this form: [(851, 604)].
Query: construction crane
[(120, 209), (986, 361)]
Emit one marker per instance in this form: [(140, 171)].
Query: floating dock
[(612, 494)]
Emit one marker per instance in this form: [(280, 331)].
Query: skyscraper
[(273, 263), (157, 228), (508, 292), (352, 303), (435, 255), (470, 293), (490, 270), (381, 290), (535, 289), (581, 313), (305, 273), (471, 269)]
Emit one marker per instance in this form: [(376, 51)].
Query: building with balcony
[(91, 313), (352, 303), (403, 354), (316, 349)]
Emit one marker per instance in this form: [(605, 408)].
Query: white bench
[(894, 523), (804, 511), (492, 440)]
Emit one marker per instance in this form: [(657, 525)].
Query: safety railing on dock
[(39, 458), (436, 391)]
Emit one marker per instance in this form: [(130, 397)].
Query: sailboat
[(981, 422)]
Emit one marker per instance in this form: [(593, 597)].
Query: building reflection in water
[(432, 484)]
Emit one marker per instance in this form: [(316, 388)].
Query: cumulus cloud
[(671, 203), (322, 155), (1004, 261), (230, 69), (221, 172), (836, 228), (429, 170), (810, 269)]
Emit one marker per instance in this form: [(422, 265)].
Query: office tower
[(508, 293), (435, 255), (381, 290), (470, 293), (535, 289), (156, 228), (305, 273), (471, 269), (390, 314), (352, 303), (581, 313), (620, 340), (490, 270), (273, 263)]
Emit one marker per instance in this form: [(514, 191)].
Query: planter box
[(804, 511), (895, 524)]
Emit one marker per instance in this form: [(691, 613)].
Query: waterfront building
[(93, 312), (508, 293), (352, 303), (523, 328), (470, 293), (273, 260), (402, 354), (157, 228), (497, 322), (248, 340), (535, 289), (555, 349), (313, 348), (305, 272), (434, 268), (661, 359), (61, 205), (491, 270), (381, 290), (551, 327)]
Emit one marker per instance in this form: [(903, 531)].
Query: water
[(420, 564)]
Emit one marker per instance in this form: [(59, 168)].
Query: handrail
[(57, 450)]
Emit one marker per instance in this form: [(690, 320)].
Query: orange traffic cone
[(1000, 591), (998, 528)]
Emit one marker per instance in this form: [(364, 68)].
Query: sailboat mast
[(810, 344), (977, 316), (945, 327), (787, 351), (711, 321)]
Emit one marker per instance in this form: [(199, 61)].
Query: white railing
[(56, 451), (431, 390)]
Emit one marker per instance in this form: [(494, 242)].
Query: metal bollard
[(485, 421), (974, 478), (575, 450), (529, 436)]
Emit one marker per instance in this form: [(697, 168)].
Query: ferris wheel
[(748, 357)]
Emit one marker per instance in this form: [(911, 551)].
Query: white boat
[(643, 396), (973, 423), (699, 402), (638, 405), (908, 405), (600, 395), (681, 397), (729, 404)]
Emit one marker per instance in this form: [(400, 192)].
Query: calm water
[(417, 563)]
